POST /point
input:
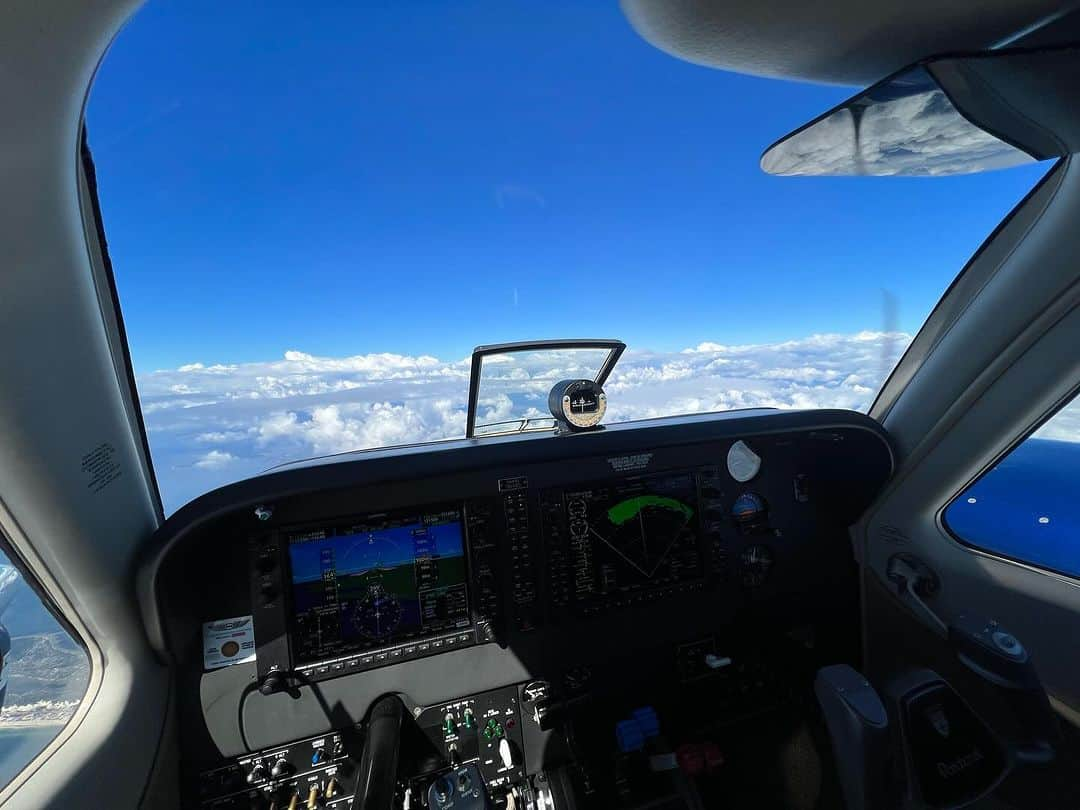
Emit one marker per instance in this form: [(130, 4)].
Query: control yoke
[(377, 777)]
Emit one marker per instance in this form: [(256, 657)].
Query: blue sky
[(315, 212), (424, 177)]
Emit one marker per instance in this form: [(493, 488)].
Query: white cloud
[(325, 429), (217, 368), (256, 415), (215, 459), (917, 134), (211, 424), (1064, 425), (219, 436)]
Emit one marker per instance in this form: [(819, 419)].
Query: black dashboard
[(622, 563)]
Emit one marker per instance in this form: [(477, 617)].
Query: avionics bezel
[(706, 576), (387, 654)]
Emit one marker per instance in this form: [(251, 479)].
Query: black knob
[(258, 773), (265, 562), (549, 714), (443, 788), (273, 682), (281, 768), (541, 713), (464, 782)]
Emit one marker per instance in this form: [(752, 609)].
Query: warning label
[(101, 467)]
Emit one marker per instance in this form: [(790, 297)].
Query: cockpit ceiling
[(837, 41)]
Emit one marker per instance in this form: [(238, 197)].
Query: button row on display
[(392, 656)]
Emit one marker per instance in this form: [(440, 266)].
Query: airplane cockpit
[(567, 604), (575, 629)]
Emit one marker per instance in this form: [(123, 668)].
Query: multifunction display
[(625, 536), (377, 580)]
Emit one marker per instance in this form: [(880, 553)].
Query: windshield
[(315, 214)]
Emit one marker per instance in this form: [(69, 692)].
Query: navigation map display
[(377, 581), (633, 534)]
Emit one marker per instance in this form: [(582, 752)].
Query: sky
[(315, 212)]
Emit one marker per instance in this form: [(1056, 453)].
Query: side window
[(1027, 506), (43, 673)]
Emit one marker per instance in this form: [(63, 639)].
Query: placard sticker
[(227, 642)]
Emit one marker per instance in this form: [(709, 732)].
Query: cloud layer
[(918, 134), (211, 423)]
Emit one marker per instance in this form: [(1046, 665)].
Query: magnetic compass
[(577, 404)]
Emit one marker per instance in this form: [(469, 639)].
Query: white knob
[(506, 753)]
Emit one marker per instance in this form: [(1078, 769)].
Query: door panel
[(1005, 359), (1039, 607)]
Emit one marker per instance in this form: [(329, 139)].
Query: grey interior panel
[(1039, 606), (1008, 360), (980, 269), (77, 534), (843, 43)]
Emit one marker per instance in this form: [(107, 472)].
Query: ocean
[(1027, 507), (20, 745)]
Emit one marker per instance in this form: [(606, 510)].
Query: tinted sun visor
[(947, 115)]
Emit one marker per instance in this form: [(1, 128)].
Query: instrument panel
[(371, 590), (459, 568), (356, 592)]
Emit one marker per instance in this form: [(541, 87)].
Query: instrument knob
[(443, 789), (281, 768)]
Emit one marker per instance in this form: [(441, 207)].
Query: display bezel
[(287, 532), (700, 535)]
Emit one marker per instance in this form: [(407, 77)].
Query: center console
[(581, 739)]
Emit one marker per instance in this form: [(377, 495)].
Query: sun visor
[(943, 116)]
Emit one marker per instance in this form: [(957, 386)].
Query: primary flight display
[(376, 581)]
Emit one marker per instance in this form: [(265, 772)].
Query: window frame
[(77, 632), (941, 318), (90, 204)]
